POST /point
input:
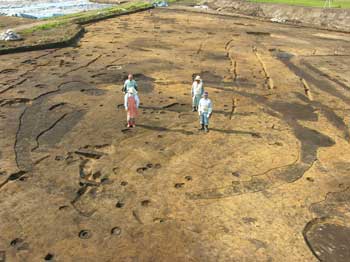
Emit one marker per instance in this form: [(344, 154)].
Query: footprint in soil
[(179, 185), (145, 203), (59, 158), (84, 234), (310, 179), (96, 175), (119, 204), (62, 207), (158, 220), (19, 244), (124, 183), (188, 178), (49, 257), (115, 170), (236, 174), (256, 135), (106, 181), (141, 170), (116, 231), (23, 178)]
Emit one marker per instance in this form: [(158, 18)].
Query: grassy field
[(309, 3)]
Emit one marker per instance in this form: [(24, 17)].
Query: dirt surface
[(54, 36), (324, 18), (76, 185), (7, 22)]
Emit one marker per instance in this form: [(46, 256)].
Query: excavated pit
[(328, 241), (77, 185)]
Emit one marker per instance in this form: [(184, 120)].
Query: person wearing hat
[(129, 83), (131, 104), (205, 109), (197, 92)]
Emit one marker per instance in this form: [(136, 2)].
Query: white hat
[(197, 78)]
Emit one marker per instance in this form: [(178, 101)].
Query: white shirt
[(205, 106), (197, 88)]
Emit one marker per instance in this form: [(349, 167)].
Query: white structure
[(10, 35)]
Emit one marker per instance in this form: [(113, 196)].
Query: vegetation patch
[(307, 3), (46, 26)]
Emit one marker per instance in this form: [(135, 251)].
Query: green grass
[(308, 3), (46, 26)]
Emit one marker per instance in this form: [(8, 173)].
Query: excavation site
[(267, 180)]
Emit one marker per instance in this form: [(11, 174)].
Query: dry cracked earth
[(269, 182)]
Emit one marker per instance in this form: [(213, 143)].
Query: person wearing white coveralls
[(197, 92), (205, 108)]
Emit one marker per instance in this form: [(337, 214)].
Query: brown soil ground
[(7, 22), (40, 37), (269, 182), (323, 18)]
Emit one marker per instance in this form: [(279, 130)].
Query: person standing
[(131, 104), (197, 92), (129, 83), (205, 109)]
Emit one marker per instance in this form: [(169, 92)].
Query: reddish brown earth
[(76, 185), (9, 22)]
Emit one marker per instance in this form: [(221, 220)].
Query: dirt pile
[(331, 18)]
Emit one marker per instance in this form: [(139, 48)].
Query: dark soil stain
[(318, 83), (331, 116), (328, 241), (258, 33), (335, 204), (39, 122)]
